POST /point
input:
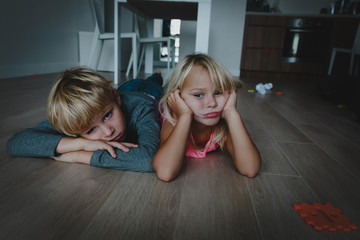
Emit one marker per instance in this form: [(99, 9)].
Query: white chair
[(352, 51), (100, 35), (145, 40)]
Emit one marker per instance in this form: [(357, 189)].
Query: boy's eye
[(217, 93), (199, 95), (107, 116), (91, 130)]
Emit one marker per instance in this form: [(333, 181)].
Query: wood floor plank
[(57, 202), (274, 123), (273, 198), (140, 207), (215, 203), (248, 117), (346, 128), (273, 159), (343, 151), (329, 180)]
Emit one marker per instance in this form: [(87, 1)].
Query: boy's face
[(109, 125)]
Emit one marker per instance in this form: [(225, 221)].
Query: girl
[(199, 115)]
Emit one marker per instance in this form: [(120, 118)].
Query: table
[(202, 29)]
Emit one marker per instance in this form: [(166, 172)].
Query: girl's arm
[(243, 151), (168, 160)]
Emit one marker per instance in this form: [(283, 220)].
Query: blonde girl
[(199, 115)]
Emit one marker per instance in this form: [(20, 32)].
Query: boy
[(90, 122)]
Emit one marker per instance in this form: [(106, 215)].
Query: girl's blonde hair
[(220, 77), (78, 95)]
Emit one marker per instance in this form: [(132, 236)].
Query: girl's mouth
[(212, 115)]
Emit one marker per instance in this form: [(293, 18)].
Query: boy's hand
[(177, 104), (69, 145), (72, 157), (93, 146)]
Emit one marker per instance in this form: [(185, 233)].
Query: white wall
[(40, 36), (187, 38), (226, 33)]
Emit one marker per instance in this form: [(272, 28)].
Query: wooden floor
[(310, 153)]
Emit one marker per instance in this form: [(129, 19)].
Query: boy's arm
[(38, 141), (138, 159)]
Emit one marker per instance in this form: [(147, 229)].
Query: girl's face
[(202, 98)]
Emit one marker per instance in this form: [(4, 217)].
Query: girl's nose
[(211, 101)]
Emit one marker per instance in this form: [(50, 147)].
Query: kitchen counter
[(304, 15)]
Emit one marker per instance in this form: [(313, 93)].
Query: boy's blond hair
[(220, 77), (78, 95)]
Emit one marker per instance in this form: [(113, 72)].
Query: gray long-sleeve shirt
[(141, 116)]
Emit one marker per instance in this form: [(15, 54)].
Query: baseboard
[(10, 71)]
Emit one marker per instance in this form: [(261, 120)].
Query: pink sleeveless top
[(191, 151)]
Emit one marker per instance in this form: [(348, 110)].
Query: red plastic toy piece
[(326, 216)]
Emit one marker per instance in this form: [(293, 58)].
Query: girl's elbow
[(250, 171), (165, 177), (164, 174), (251, 174)]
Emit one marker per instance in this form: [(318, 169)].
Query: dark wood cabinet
[(263, 45), (263, 41)]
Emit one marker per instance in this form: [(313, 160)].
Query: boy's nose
[(107, 130)]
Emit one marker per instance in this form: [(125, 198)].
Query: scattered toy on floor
[(262, 88), (314, 215)]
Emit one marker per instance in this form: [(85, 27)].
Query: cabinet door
[(261, 59), (264, 37)]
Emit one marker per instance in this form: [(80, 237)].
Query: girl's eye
[(107, 116), (199, 95), (217, 93)]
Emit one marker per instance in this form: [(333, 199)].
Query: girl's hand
[(230, 105), (177, 104)]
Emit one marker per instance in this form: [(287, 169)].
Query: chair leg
[(98, 58), (135, 56), (92, 49), (173, 54), (333, 53), (168, 55), (129, 64), (141, 57), (352, 63)]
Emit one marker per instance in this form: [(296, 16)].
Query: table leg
[(117, 40)]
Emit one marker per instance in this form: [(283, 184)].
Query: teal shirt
[(143, 128)]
